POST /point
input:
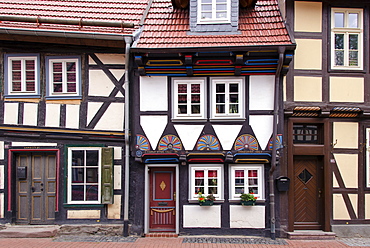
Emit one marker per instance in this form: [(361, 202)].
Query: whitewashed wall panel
[(200, 216), (30, 114), (261, 92), (1, 149), (189, 134), (2, 206), (112, 118), (52, 117), (11, 113), (107, 58), (227, 134), (72, 116), (2, 176), (153, 94), (92, 109), (262, 128), (247, 216), (118, 74), (33, 144), (153, 127), (99, 83)]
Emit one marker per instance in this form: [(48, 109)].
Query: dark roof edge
[(289, 47)]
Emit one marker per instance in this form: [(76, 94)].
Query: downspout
[(274, 148), (128, 41)]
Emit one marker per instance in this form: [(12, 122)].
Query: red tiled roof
[(167, 27), (128, 11)]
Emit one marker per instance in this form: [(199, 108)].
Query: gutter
[(128, 41), (274, 149)]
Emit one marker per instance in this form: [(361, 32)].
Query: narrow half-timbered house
[(207, 116), (62, 110), (327, 118)]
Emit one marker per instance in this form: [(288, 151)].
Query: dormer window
[(214, 11)]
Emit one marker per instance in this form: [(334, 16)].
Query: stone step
[(27, 231), (161, 235), (311, 235)]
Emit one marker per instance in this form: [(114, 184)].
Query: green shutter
[(107, 176)]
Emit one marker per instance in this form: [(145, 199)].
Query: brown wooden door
[(308, 193), (162, 202), (36, 191)]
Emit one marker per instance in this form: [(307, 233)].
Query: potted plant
[(248, 199), (205, 200)]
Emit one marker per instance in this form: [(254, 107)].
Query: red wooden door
[(308, 193), (162, 200)]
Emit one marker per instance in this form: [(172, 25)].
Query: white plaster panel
[(11, 113), (335, 181), (33, 144), (52, 117), (92, 108), (367, 206), (72, 116), (307, 89), (1, 149), (117, 151), (308, 54), (247, 216), (340, 211), (307, 16), (30, 114), (106, 58), (114, 210), (201, 216), (153, 94), (348, 168), (227, 134), (112, 119), (2, 176), (117, 177), (189, 134), (153, 127), (262, 127), (261, 92), (347, 89), (99, 83), (118, 74), (83, 214), (2, 206), (345, 134)]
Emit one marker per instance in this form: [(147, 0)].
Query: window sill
[(73, 205), (216, 201), (62, 97), (22, 96)]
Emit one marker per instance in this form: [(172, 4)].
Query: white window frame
[(8, 75), (241, 96), (69, 191), (49, 74), (346, 31), (220, 178), (214, 19), (260, 184), (189, 82)]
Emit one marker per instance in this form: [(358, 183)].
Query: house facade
[(326, 111), (207, 117), (62, 110)]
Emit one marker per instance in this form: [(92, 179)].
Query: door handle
[(33, 189), (320, 193), (174, 196)]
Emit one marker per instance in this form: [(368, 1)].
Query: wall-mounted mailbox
[(22, 172), (282, 183)]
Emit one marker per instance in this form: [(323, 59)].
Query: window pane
[(92, 158), (239, 190), (182, 109), (78, 175), (195, 109), (234, 109), (30, 85), (339, 58), (199, 173), (182, 88), (353, 41), (71, 67), (239, 173), (92, 192), (57, 77), (195, 88), (220, 109), (339, 41), (253, 190), (30, 65), (212, 173), (195, 98), (353, 20), (92, 175), (353, 58), (71, 87), (206, 7), (57, 67), (78, 158), (181, 99), (206, 15), (77, 192), (212, 190), (221, 7), (339, 20), (57, 87), (234, 88), (71, 77), (16, 65), (239, 182), (220, 98), (220, 88), (206, 1)]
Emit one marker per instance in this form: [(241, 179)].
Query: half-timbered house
[(326, 118), (64, 70), (207, 116)]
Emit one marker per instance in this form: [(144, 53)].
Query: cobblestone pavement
[(181, 242)]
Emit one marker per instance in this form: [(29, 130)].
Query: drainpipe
[(274, 136), (128, 41)]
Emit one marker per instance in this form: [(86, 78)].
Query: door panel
[(36, 193), (308, 187), (162, 200)]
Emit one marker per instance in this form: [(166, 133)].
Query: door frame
[(12, 180), (146, 194), (323, 151)]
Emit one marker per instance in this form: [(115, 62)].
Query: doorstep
[(29, 231), (161, 235), (311, 235)]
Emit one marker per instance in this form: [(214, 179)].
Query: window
[(227, 100), (246, 179), (214, 11), (189, 98), (207, 180), (21, 75), (63, 77), (90, 175), (308, 134), (346, 39)]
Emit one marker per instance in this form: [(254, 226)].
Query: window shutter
[(107, 176)]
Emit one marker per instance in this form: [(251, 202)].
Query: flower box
[(206, 203), (248, 203)]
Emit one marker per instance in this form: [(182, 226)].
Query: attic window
[(214, 11)]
